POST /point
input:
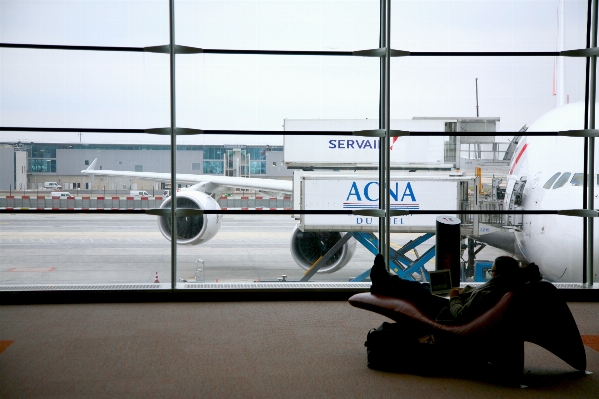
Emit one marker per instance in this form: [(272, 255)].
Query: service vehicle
[(61, 194), (52, 185), (139, 193)]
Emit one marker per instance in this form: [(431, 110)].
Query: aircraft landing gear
[(468, 266)]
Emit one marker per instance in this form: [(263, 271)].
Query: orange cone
[(156, 279)]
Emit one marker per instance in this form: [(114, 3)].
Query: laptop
[(440, 282)]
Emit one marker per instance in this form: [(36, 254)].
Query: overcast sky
[(53, 88)]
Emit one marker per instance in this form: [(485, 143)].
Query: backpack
[(399, 347)]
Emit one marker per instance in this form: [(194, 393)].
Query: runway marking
[(22, 269), (4, 345), (592, 341)]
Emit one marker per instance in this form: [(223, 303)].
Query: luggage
[(397, 347)]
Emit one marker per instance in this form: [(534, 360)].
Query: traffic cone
[(156, 279)]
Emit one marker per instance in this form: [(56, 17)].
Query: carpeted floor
[(239, 350)]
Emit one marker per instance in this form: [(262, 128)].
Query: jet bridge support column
[(448, 243)]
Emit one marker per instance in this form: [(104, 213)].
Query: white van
[(52, 185), (61, 194), (135, 193)]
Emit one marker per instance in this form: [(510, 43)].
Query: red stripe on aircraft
[(518, 157)]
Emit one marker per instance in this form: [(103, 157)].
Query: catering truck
[(439, 191), (352, 191)]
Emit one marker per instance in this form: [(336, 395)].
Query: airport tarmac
[(40, 249)]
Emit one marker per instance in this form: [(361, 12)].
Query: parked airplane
[(546, 173), (306, 248)]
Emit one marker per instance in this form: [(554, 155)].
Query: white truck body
[(331, 151), (360, 190)]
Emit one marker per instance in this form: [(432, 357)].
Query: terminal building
[(27, 166)]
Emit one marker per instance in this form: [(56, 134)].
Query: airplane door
[(516, 202)]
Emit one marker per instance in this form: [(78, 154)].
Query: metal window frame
[(384, 52)]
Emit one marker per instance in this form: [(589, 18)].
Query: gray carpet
[(238, 350)]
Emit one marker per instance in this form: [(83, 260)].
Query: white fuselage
[(553, 242)]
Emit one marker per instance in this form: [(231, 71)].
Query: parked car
[(52, 185)]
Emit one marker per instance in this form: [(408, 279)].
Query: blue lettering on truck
[(366, 196), (354, 144)]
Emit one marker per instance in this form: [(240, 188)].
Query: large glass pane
[(518, 90), (111, 248), (508, 172), (256, 248), (86, 89), (247, 92), (453, 25), (104, 251), (278, 25), (120, 23)]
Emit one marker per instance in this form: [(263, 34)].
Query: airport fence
[(88, 202), (256, 202)]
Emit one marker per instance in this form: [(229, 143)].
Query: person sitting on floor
[(463, 304)]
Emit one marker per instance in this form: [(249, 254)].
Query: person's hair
[(506, 266)]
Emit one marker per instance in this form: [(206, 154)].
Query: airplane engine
[(191, 230), (307, 247)]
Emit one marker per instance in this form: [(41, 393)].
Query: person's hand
[(455, 292)]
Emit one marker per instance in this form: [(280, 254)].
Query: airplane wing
[(206, 183)]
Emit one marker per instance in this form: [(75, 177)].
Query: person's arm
[(468, 307), (456, 303), (456, 306)]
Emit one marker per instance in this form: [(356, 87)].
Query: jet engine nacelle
[(191, 230), (307, 247)]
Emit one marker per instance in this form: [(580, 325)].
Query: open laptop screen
[(440, 281)]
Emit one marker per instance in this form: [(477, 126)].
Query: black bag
[(399, 347)]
